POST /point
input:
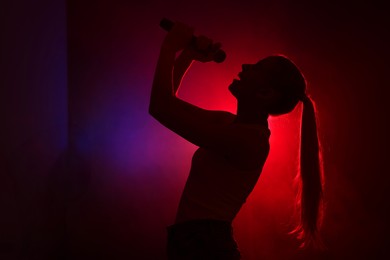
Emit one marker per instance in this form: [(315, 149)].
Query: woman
[(232, 148)]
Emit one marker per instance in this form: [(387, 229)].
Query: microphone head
[(167, 25)]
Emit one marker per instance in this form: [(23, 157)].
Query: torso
[(217, 187)]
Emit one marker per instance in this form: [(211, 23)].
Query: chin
[(234, 88)]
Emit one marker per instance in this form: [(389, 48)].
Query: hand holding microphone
[(204, 49)]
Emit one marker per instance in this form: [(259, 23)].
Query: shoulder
[(223, 117)]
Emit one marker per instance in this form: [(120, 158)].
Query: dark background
[(86, 173)]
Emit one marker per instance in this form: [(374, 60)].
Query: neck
[(248, 115)]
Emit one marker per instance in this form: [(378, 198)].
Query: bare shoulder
[(223, 117)]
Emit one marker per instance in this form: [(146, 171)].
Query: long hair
[(310, 179), (289, 81)]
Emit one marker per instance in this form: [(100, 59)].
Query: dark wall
[(33, 131)]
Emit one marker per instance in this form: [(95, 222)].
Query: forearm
[(162, 88), (168, 75), (182, 63)]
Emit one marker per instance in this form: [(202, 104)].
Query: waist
[(207, 206), (200, 225)]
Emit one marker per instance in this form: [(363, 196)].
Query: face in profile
[(272, 85), (254, 80)]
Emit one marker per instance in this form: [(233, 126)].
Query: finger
[(203, 42), (216, 46), (208, 57)]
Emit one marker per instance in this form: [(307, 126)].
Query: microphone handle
[(167, 25)]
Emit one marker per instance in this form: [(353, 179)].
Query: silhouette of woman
[(232, 148)]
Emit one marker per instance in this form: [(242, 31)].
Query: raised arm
[(170, 71), (209, 129), (162, 89), (182, 64)]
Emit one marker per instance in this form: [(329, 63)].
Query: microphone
[(167, 25)]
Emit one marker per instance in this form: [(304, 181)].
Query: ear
[(267, 95)]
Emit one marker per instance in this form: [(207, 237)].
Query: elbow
[(153, 106), (156, 111), (159, 108), (158, 114), (153, 111)]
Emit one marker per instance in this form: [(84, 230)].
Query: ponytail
[(309, 200), (288, 80)]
